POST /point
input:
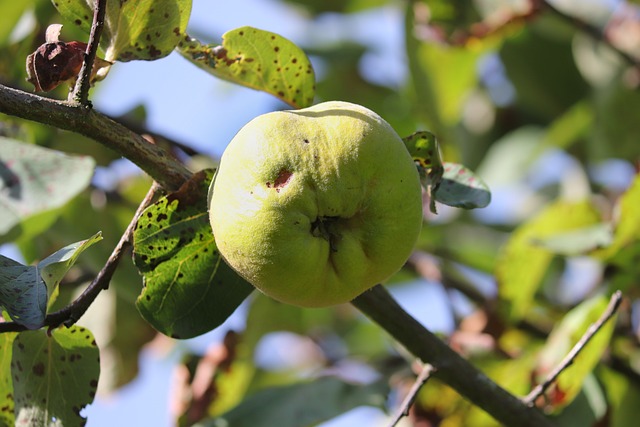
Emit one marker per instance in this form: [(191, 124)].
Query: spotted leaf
[(189, 289), (257, 59), (134, 29), (54, 377)]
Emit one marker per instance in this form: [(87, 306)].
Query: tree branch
[(612, 308), (449, 366), (164, 169), (80, 92), (403, 410), (70, 314)]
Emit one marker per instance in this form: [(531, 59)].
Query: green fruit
[(315, 206)]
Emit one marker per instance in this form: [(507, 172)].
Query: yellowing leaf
[(522, 264), (257, 59), (560, 342)]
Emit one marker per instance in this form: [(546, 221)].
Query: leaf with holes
[(461, 188), (189, 289), (54, 377), (25, 290), (134, 29), (562, 339), (425, 151), (257, 59), (35, 180)]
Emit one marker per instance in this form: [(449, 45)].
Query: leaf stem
[(608, 313), (449, 366), (80, 92)]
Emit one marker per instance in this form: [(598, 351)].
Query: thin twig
[(80, 92), (449, 366), (591, 30), (70, 314), (403, 410), (569, 359)]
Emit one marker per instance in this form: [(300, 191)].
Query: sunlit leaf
[(24, 290), (7, 418), (257, 59), (562, 339), (54, 377), (577, 242), (189, 289), (134, 29), (522, 265), (36, 180), (461, 188), (302, 404), (54, 267)]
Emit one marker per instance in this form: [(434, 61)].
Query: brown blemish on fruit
[(281, 180)]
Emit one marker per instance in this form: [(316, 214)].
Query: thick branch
[(164, 169), (449, 366)]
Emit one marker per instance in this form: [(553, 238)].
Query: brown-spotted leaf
[(257, 59)]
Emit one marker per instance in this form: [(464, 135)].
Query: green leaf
[(134, 29), (54, 267), (577, 242), (25, 290), (54, 377), (22, 293), (7, 418), (425, 151), (461, 188), (36, 180), (189, 289), (257, 59), (562, 339), (522, 265), (302, 404)]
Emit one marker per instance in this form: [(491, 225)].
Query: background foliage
[(538, 98)]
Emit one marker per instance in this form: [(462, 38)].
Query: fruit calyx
[(324, 226)]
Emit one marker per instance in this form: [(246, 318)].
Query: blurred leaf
[(7, 418), (189, 289), (577, 242), (54, 377), (522, 265), (11, 11), (588, 407), (134, 29), (627, 228), (570, 127), (461, 188), (562, 339), (344, 6), (24, 290), (257, 59), (548, 82), (302, 404), (623, 395), (36, 180)]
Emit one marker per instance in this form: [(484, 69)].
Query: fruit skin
[(315, 206)]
